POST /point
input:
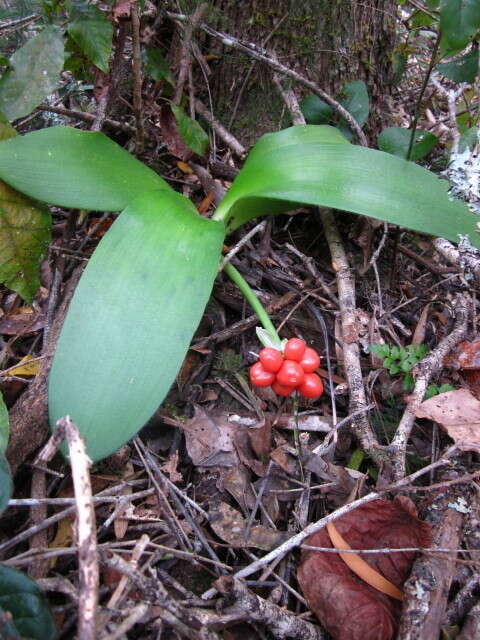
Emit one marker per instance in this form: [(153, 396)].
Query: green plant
[(400, 359), (145, 288)]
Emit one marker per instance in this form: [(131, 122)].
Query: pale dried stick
[(425, 369), (86, 531), (351, 351)]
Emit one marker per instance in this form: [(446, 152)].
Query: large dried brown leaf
[(209, 440), (347, 606), (458, 412)]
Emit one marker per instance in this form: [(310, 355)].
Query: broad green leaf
[(73, 168), (5, 476), (4, 425), (24, 238), (433, 4), (132, 317), (354, 97), (34, 74), (462, 69), (31, 616), (468, 139), (6, 485), (315, 110), (315, 165), (92, 31), (459, 21), (156, 67), (396, 140), (190, 131)]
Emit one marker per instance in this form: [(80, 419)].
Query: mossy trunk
[(329, 41)]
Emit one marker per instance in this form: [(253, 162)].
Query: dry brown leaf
[(170, 467), (458, 412), (122, 9), (209, 439), (348, 607), (466, 357), (230, 525), (237, 482)]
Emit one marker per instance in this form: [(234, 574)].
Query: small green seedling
[(402, 360)]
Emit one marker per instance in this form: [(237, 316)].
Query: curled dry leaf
[(230, 525), (466, 357), (458, 412), (348, 607)]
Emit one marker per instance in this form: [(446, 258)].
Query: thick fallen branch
[(427, 589), (280, 622)]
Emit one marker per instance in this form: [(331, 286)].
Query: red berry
[(312, 386), (291, 374), (294, 349), (310, 360), (259, 377), (271, 359), (281, 389)]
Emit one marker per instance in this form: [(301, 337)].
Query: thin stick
[(185, 51), (351, 352), (86, 531), (233, 252)]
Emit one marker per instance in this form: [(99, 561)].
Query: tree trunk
[(329, 41)]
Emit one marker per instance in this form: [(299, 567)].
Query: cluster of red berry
[(292, 370)]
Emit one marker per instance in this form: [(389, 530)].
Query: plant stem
[(251, 298)]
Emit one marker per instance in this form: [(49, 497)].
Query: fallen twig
[(86, 531), (425, 369)]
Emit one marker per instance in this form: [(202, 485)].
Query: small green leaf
[(354, 97), (92, 31), (267, 339), (408, 382), (463, 69), (34, 74), (156, 67), (468, 139), (72, 168), (356, 459), (131, 320), (380, 350), (190, 131), (24, 238), (432, 390), (315, 110), (445, 387), (459, 21), (31, 617), (405, 366), (396, 140), (395, 352), (394, 369), (388, 362)]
